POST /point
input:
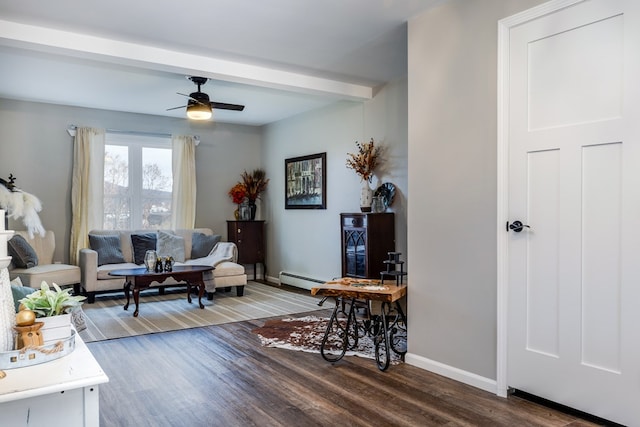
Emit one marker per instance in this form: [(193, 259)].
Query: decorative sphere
[(25, 318)]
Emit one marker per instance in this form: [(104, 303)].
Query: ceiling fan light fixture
[(199, 111)]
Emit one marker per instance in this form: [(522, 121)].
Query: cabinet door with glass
[(366, 239)]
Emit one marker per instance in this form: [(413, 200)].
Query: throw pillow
[(108, 248), (23, 254), (141, 244), (171, 245), (201, 244), (18, 291)]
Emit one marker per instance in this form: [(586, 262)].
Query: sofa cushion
[(171, 245), (201, 244), (60, 274), (227, 268), (107, 247), (142, 243), (23, 254)]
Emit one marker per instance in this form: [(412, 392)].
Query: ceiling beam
[(149, 57)]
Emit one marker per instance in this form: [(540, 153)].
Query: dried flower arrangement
[(365, 161), (237, 193), (255, 183)]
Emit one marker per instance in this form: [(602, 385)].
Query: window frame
[(135, 145)]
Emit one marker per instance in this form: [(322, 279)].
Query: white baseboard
[(465, 377), (298, 280), (272, 279)]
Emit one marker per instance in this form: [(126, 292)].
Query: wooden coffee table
[(142, 279)]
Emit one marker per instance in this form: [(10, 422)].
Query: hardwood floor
[(222, 376)]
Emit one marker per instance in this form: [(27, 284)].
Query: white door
[(574, 178)]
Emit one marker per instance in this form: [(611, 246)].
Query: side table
[(249, 238), (60, 393)]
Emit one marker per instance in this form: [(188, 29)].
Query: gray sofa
[(95, 278)]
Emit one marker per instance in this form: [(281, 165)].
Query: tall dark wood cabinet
[(249, 238), (366, 239)]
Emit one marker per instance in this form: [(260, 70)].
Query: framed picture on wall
[(306, 182)]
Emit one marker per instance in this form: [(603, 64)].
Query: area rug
[(106, 318), (306, 333)]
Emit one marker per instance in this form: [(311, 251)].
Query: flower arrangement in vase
[(364, 163), (238, 193), (255, 184)]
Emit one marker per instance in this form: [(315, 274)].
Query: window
[(137, 182)]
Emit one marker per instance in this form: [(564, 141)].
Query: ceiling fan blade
[(196, 100), (203, 99), (225, 106), (175, 108)]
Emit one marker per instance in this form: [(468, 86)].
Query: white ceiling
[(277, 57)]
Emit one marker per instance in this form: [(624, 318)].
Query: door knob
[(516, 226)]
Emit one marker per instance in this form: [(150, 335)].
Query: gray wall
[(452, 173), (36, 148), (307, 242)]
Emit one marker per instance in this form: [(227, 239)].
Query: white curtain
[(87, 187), (183, 205)]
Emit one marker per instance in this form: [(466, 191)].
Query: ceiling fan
[(199, 107)]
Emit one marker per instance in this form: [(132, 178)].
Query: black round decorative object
[(387, 191)]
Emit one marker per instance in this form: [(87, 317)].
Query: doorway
[(569, 162)]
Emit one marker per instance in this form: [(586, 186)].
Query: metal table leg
[(389, 334), (398, 332), (381, 339), (341, 332)]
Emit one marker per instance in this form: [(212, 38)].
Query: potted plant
[(53, 307)]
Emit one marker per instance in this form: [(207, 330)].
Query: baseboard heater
[(298, 280)]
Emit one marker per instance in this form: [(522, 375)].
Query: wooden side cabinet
[(249, 238), (366, 239)]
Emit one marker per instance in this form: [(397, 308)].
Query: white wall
[(452, 173), (307, 242), (36, 148)]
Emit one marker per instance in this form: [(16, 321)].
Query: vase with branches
[(364, 163), (255, 184)]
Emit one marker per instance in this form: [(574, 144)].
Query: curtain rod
[(71, 130)]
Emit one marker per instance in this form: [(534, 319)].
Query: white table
[(62, 392)]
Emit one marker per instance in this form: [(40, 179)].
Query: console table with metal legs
[(388, 328)]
